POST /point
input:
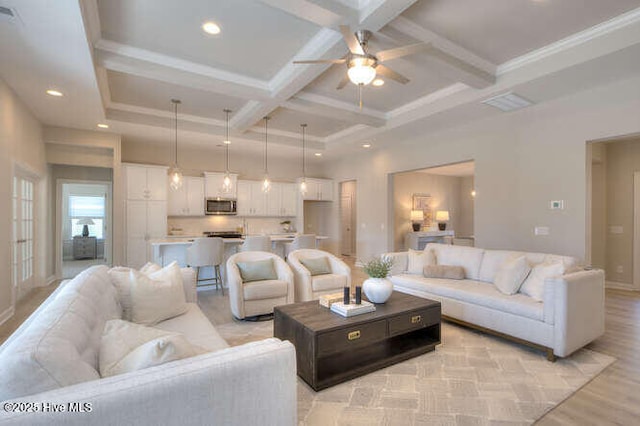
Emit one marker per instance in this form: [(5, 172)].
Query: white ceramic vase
[(377, 290)]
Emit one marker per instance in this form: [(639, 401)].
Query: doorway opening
[(434, 204), (23, 232), (348, 226), (83, 226)]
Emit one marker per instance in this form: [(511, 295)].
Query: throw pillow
[(533, 286), (418, 259), (158, 296), (126, 347), (120, 279), (444, 271), (150, 268), (511, 275), (257, 270), (317, 265)]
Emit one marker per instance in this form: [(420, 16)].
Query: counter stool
[(304, 241), (256, 243), (207, 252)]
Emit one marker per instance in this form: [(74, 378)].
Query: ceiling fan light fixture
[(361, 70), (378, 82)]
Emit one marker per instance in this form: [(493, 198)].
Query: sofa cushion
[(418, 259), (493, 260), (267, 289), (328, 282), (257, 270), (60, 346), (127, 347), (444, 271), (157, 296), (533, 286), (470, 258), (473, 292), (512, 274), (316, 265), (196, 328)]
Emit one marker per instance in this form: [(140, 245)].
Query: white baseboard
[(50, 280), (618, 286), (8, 313)]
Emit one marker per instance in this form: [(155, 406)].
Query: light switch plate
[(556, 205), (541, 230)]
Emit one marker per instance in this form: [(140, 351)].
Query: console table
[(84, 247), (417, 240), (331, 349)]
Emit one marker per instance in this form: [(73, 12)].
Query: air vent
[(508, 102)]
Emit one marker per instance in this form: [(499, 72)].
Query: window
[(87, 207)]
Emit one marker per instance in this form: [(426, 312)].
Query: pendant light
[(227, 182), (175, 173), (266, 183), (303, 183)]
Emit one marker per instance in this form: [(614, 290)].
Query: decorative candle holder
[(346, 296)]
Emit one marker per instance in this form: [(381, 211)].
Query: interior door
[(22, 253), (345, 224)]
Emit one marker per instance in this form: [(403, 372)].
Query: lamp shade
[(442, 215), (361, 70), (86, 221), (417, 215)]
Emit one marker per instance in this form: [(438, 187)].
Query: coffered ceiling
[(121, 61)]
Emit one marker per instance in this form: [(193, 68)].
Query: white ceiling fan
[(362, 66)]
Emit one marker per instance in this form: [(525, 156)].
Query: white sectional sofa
[(51, 363), (570, 315)]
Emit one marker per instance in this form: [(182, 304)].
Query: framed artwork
[(423, 202)]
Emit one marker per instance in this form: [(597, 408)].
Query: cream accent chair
[(258, 297), (310, 287), (256, 243)]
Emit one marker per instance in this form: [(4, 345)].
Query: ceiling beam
[(458, 62), (323, 13), (330, 108)]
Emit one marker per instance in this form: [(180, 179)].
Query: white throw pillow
[(511, 275), (150, 268), (126, 347), (120, 279), (158, 296), (533, 286), (418, 259)]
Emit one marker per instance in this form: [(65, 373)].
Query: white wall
[(20, 146), (523, 160)]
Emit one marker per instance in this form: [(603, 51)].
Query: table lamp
[(416, 219), (86, 222), (442, 216)]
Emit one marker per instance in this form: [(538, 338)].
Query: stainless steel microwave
[(220, 206)]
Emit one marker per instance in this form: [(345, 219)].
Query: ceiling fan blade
[(343, 82), (321, 61), (389, 73), (351, 40), (399, 52)]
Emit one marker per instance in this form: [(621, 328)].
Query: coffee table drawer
[(346, 338), (413, 321)]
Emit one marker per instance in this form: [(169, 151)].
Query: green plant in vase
[(377, 287)]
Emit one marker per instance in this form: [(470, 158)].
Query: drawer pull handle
[(353, 335), (416, 319)]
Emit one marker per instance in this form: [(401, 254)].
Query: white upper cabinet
[(145, 182), (213, 183), (280, 201), (251, 199), (188, 200), (289, 200), (319, 189)]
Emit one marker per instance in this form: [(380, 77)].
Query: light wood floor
[(613, 397)]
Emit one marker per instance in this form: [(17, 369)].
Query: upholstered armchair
[(258, 281), (318, 276)]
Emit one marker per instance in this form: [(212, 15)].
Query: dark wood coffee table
[(331, 349)]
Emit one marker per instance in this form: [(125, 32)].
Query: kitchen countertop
[(186, 240)]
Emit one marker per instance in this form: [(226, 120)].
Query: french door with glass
[(23, 230)]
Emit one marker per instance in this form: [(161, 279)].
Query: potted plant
[(377, 287), (286, 225)]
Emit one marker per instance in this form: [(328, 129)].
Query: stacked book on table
[(352, 309)]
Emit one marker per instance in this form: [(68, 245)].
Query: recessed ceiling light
[(103, 126), (366, 145), (226, 142), (211, 28), (54, 92), (378, 82), (318, 154)]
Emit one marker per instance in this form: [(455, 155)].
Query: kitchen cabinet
[(145, 182), (214, 182), (145, 220), (318, 189), (251, 199), (282, 200), (188, 200)]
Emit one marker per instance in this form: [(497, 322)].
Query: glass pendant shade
[(175, 174), (226, 183), (361, 71), (266, 184), (303, 182), (303, 187)]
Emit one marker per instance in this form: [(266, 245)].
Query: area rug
[(470, 379)]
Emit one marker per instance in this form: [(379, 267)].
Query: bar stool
[(207, 252), (304, 241), (256, 243)]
